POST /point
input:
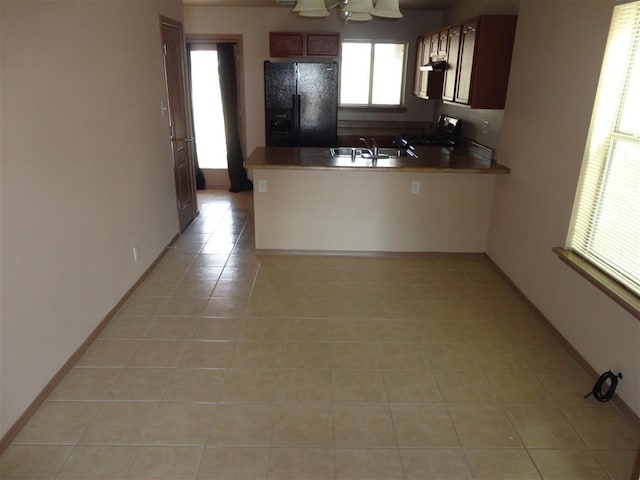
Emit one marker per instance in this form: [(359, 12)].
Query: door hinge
[(164, 49)]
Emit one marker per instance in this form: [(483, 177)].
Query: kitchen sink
[(358, 152), (348, 152), (363, 162)]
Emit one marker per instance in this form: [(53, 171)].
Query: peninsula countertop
[(459, 159)]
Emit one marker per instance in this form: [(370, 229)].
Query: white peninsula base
[(370, 210)]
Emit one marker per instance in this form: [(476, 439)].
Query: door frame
[(236, 39), (170, 22)]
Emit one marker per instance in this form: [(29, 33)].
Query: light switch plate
[(415, 187), (262, 185)]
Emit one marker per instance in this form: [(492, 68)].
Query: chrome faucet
[(374, 146)]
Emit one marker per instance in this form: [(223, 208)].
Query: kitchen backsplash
[(483, 126)]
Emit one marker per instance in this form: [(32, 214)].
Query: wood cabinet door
[(465, 67), (283, 44), (417, 78), (442, 43), (323, 44), (426, 55), (427, 84), (451, 73), (433, 49)]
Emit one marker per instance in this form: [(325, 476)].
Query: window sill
[(372, 108), (617, 292)]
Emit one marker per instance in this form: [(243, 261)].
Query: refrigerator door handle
[(296, 116)]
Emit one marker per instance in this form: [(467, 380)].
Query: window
[(208, 119), (605, 227), (372, 74)]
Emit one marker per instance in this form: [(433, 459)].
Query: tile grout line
[(393, 426)]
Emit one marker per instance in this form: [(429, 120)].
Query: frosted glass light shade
[(387, 8), (359, 6), (311, 8), (314, 13), (359, 17)]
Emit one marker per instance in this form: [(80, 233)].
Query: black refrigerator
[(301, 104)]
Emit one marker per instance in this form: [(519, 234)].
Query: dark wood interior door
[(181, 138)]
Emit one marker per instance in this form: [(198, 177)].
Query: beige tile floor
[(228, 365)]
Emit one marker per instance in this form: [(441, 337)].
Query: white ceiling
[(404, 4)]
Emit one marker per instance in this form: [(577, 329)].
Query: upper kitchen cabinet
[(484, 61), (283, 44), (470, 62), (303, 44), (427, 83), (452, 54)]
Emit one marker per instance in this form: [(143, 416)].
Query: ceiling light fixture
[(359, 6), (311, 8), (387, 9), (350, 10), (350, 16)]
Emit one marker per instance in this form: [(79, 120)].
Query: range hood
[(434, 66)]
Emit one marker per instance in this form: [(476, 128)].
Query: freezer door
[(281, 104), (279, 85), (318, 108)]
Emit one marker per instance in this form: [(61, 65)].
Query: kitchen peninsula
[(307, 200)]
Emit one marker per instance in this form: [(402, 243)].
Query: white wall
[(557, 60), (254, 24), (86, 173), (1, 182)]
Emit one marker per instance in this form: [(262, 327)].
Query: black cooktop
[(447, 133)]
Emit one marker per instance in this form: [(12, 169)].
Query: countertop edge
[(496, 169), (429, 160)]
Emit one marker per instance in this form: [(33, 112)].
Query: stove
[(447, 133), (432, 140)]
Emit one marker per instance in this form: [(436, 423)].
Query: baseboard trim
[(621, 404), (359, 253), (7, 438)]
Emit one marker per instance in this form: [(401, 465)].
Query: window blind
[(605, 227)]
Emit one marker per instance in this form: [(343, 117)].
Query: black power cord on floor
[(597, 392)]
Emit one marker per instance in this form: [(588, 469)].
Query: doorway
[(208, 117)]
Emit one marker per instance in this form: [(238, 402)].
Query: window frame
[(399, 107), (601, 266)]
